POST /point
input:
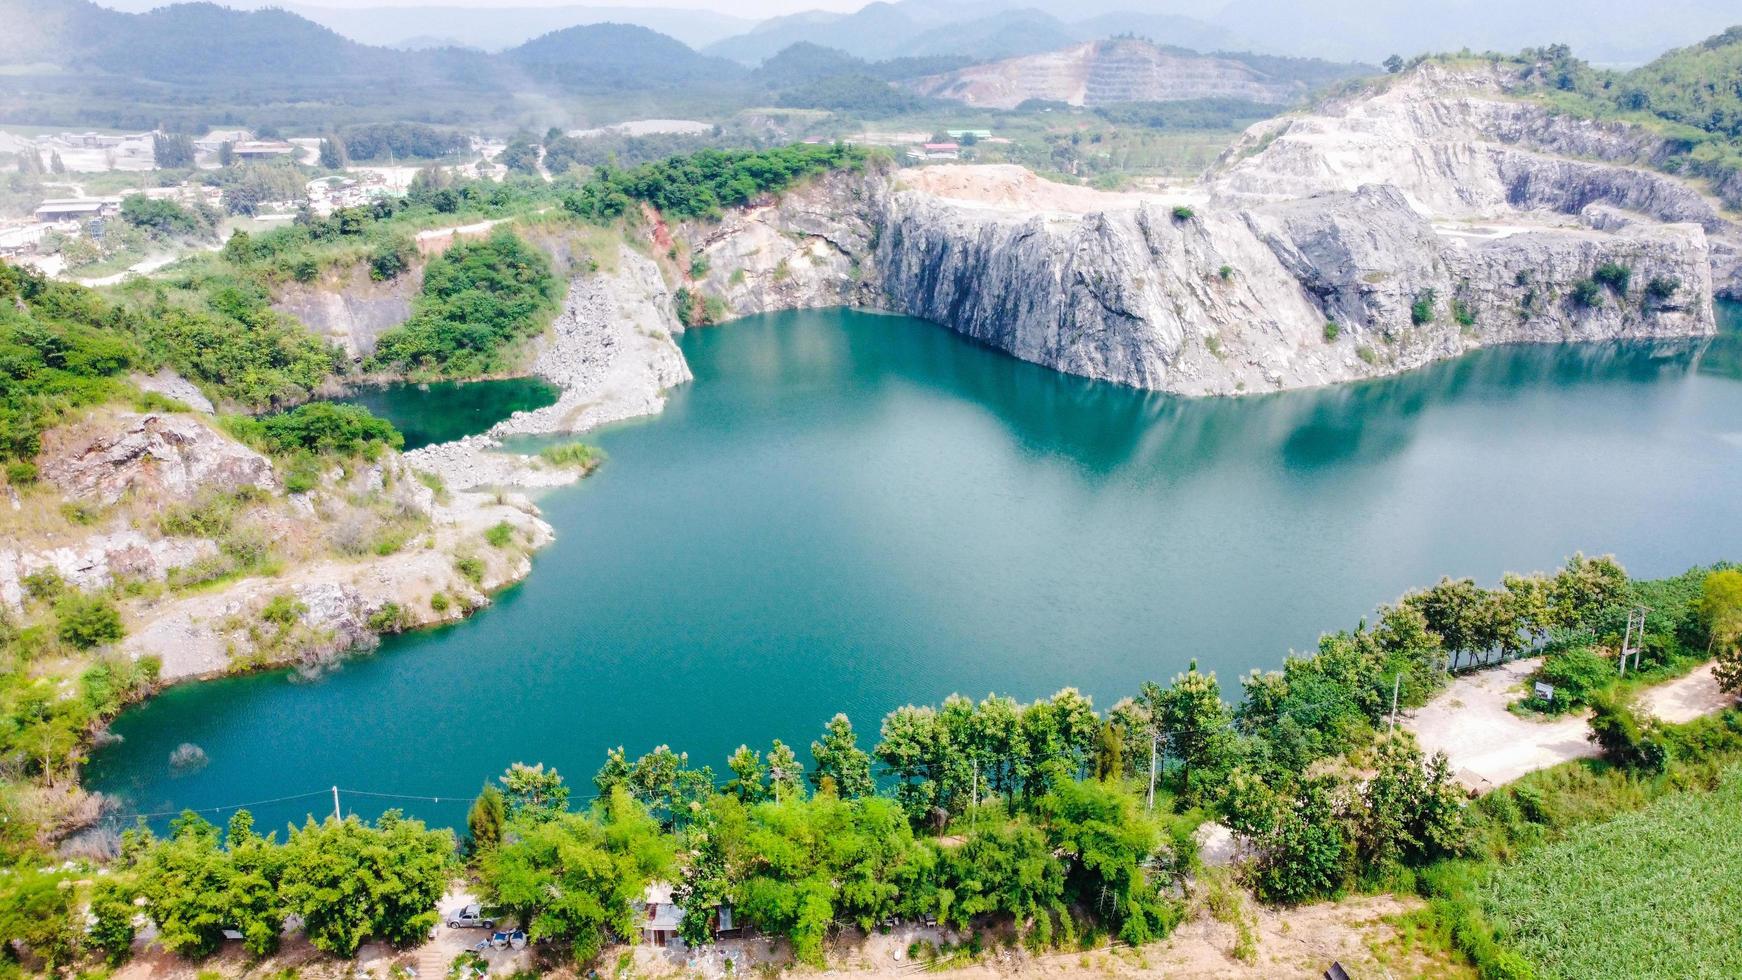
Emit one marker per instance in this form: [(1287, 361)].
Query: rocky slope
[(1375, 234), (372, 548), (1108, 72)]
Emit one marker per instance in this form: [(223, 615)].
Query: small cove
[(848, 512)]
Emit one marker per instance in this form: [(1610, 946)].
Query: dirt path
[(1489, 746)]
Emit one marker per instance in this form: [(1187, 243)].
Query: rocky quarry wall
[(1432, 217)]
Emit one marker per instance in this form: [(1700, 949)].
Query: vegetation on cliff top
[(703, 183)]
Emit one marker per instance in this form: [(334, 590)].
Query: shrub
[(1463, 313), (1226, 273), (319, 427), (81, 512), (1613, 276), (471, 568), (576, 454), (500, 534), (1367, 354), (388, 619), (1421, 311), (20, 473), (438, 601), (1660, 288), (1587, 294), (86, 621), (1183, 213), (1628, 737), (1331, 331)]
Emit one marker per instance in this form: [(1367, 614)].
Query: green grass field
[(1656, 892)]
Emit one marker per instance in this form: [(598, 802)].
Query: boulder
[(163, 456)]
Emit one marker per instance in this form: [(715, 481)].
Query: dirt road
[(1489, 746)]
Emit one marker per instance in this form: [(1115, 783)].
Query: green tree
[(1628, 736), (112, 911), (86, 621), (351, 882), (785, 774), (1720, 610), (185, 881), (332, 153), (1107, 840), (533, 793), (172, 151), (485, 819), (841, 762), (36, 911), (576, 879), (1194, 719), (749, 782)]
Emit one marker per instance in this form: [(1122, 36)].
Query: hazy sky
[(741, 8)]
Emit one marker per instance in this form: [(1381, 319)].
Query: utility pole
[(1635, 634), (336, 815), (1396, 685), (1154, 737)]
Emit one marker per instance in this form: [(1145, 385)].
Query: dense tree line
[(402, 141), (703, 183), (1065, 823)]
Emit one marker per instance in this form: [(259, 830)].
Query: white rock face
[(611, 350), (172, 385), (478, 461), (165, 455), (98, 561), (1435, 215)]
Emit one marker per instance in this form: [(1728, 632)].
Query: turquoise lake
[(848, 512)]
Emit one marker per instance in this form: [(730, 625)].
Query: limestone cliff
[(1430, 216)]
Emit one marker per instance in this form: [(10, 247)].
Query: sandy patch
[(1010, 187)]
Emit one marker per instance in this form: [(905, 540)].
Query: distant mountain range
[(1114, 72), (1603, 31)]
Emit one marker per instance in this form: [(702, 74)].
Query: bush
[(1628, 737), (1578, 675), (1226, 273), (1660, 288), (500, 534), (1331, 331), (1613, 276), (1421, 311), (86, 621), (321, 428), (1183, 213), (1463, 313), (471, 568), (576, 454), (1587, 294)]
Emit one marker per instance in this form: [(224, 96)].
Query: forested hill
[(617, 55), (74, 62)]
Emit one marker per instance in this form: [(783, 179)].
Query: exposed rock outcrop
[(610, 349), (1382, 231), (171, 385), (107, 456), (806, 248), (98, 561), (1098, 73), (349, 308)]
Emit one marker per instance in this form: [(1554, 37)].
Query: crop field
[(1654, 893)]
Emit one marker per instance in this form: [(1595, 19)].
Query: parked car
[(506, 940), (470, 917)]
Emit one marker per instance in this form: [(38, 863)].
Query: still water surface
[(849, 512), (442, 411)]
